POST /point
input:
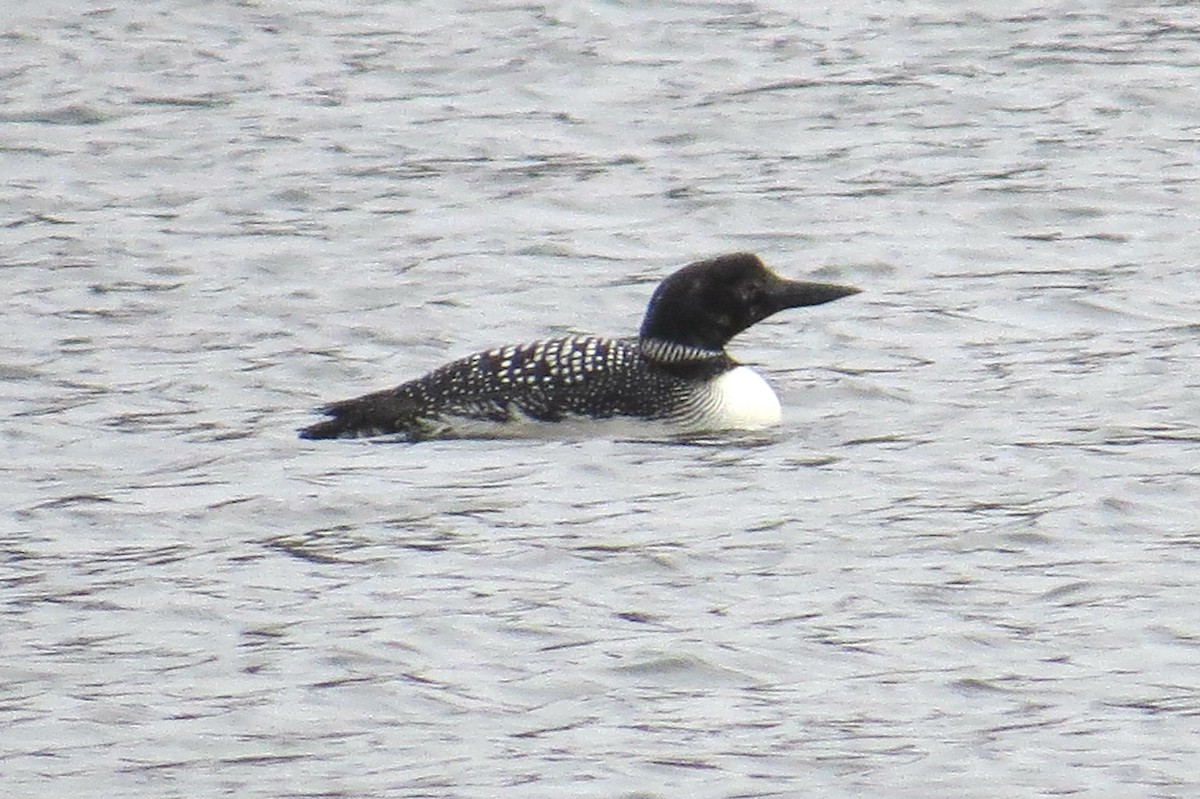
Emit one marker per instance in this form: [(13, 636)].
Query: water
[(965, 566)]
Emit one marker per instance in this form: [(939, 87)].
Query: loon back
[(677, 371), (544, 381)]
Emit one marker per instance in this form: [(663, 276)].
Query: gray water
[(966, 565)]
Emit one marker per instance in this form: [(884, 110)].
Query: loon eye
[(754, 293)]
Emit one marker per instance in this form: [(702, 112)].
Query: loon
[(676, 371)]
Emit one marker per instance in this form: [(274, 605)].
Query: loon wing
[(544, 380)]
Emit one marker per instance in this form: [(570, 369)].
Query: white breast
[(741, 400)]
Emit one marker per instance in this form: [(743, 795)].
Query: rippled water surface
[(967, 565)]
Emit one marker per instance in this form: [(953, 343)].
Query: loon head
[(707, 303)]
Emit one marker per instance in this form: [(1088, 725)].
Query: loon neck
[(685, 360), (656, 349)]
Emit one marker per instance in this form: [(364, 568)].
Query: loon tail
[(371, 415), (338, 427)]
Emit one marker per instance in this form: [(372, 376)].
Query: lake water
[(966, 565)]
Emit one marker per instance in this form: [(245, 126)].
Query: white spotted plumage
[(676, 372)]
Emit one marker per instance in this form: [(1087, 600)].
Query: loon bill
[(675, 371)]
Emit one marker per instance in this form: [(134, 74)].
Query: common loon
[(676, 371)]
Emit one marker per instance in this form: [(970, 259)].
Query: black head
[(707, 303)]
